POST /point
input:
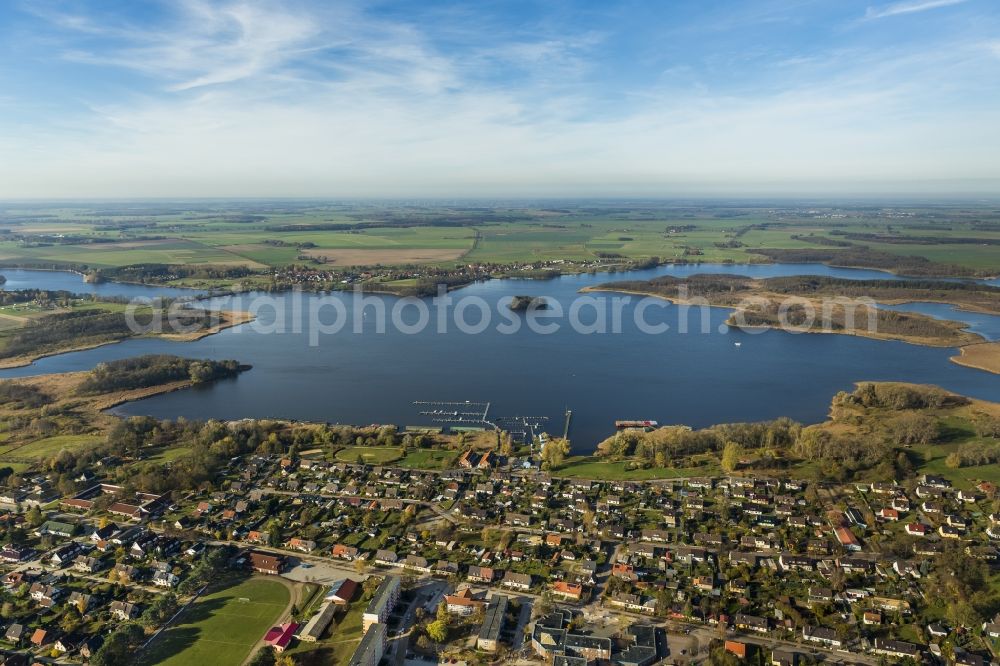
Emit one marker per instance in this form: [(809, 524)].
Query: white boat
[(737, 343)]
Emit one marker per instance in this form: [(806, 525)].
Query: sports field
[(221, 628)]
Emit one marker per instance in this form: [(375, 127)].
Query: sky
[(191, 98)]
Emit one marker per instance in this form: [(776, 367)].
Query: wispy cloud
[(908, 7)]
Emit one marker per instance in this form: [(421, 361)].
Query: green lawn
[(43, 448), (373, 455), (220, 628), (590, 467), (429, 459)]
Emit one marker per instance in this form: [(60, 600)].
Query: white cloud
[(908, 7), (255, 99)]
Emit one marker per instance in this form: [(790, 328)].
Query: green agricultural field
[(104, 255), (220, 628), (278, 235), (373, 455)]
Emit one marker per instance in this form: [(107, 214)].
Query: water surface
[(698, 378)]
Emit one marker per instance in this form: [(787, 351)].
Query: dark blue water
[(698, 378)]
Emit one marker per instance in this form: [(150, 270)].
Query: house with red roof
[(280, 638)]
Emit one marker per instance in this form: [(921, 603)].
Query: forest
[(154, 370)]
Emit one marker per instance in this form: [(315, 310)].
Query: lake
[(697, 378)]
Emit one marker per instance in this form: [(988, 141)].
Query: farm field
[(341, 235), (220, 628)]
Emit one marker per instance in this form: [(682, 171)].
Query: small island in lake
[(525, 303)]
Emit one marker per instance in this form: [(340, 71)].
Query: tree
[(437, 631), (34, 517), (554, 452), (506, 444), (731, 457), (442, 612)]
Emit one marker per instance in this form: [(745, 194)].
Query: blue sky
[(492, 98)]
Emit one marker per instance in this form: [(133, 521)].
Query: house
[(13, 554), (123, 611), (44, 595), (280, 638), (85, 564), (737, 648), (344, 552), (847, 539), (301, 545), (823, 635), (517, 581), (40, 637), (56, 528), (478, 574), (463, 602), (342, 592), (265, 563), (15, 633), (416, 563), (165, 579), (80, 600), (917, 529), (900, 649), (751, 623), (570, 591), (783, 658), (386, 558)]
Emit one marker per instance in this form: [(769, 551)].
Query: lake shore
[(961, 337), (229, 319), (983, 356)]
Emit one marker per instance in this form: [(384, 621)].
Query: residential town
[(485, 562)]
